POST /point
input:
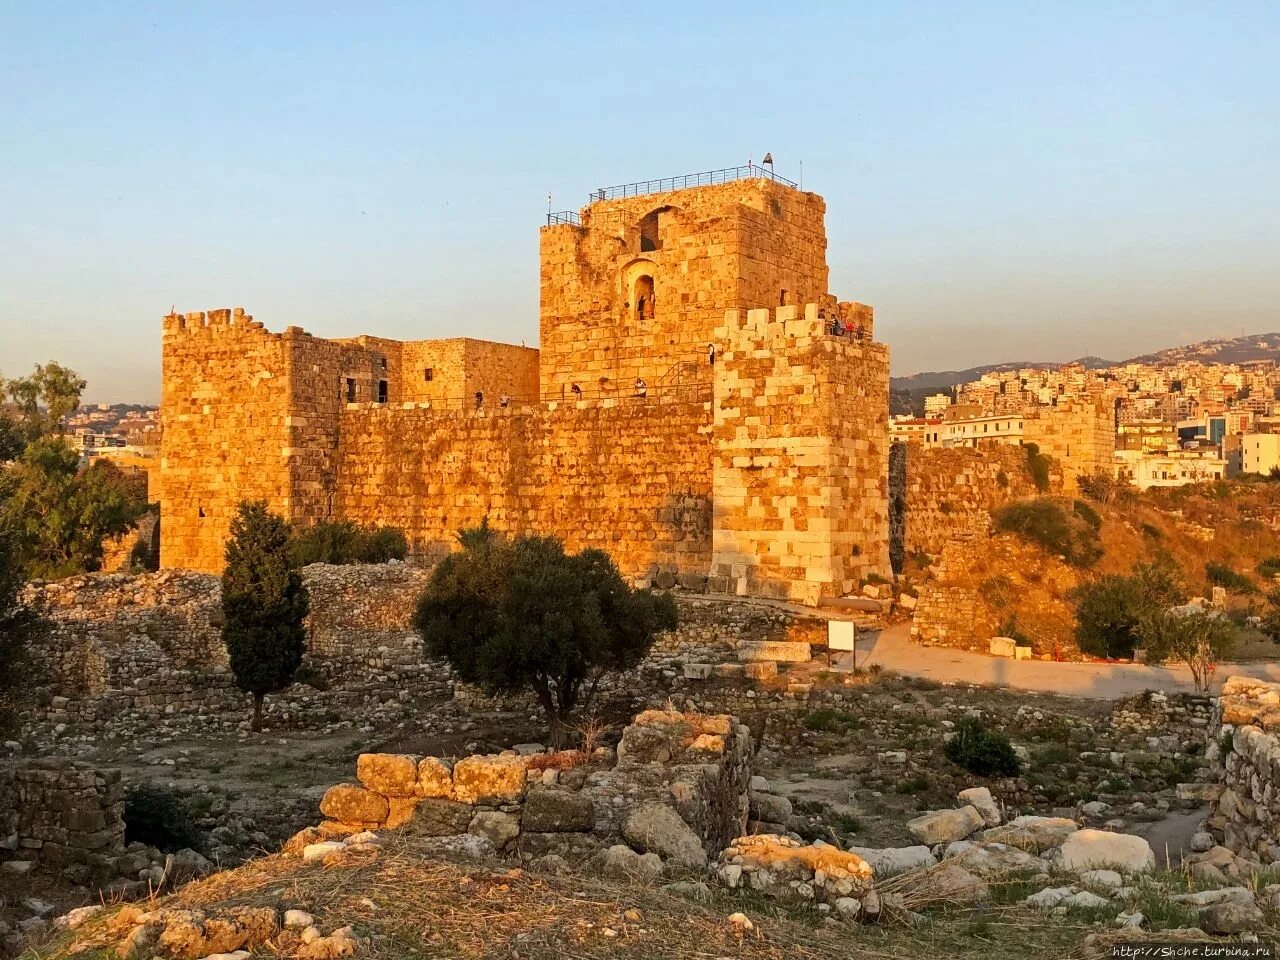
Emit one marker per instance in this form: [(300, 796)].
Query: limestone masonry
[(700, 407)]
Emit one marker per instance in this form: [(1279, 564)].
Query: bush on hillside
[(343, 542), (1201, 639), (1269, 568), (1220, 575), (1087, 514), (1044, 522), (987, 753), (1110, 610), (1101, 486)]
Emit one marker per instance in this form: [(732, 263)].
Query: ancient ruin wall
[(938, 494), (801, 457), (742, 245), (57, 812), (631, 477), (1246, 815)]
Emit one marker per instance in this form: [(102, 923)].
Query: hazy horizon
[(1002, 184)]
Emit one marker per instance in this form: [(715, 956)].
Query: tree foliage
[(1043, 521), (522, 615), (1110, 610), (987, 753), (1199, 638), (41, 403), (59, 514), (1038, 466), (264, 602), (344, 542), (19, 623)]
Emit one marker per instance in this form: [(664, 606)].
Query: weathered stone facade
[(1246, 814), (435, 435), (1080, 435)]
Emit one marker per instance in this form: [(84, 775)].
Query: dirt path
[(893, 649)]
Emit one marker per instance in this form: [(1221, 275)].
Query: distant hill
[(906, 394), (1257, 346)]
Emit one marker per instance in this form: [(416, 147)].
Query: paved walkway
[(893, 649)]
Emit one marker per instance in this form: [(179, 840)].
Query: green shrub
[(1269, 568), (159, 817), (1151, 531), (1044, 522), (343, 542), (987, 753), (1201, 639), (1038, 466), (1110, 609), (1220, 575), (1087, 514)]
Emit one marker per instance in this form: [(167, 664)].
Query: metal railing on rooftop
[(706, 178), (564, 216)]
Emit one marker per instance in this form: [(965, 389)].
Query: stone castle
[(701, 407)]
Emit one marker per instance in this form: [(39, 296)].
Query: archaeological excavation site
[(827, 695)]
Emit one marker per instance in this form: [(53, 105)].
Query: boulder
[(1049, 897), (435, 778), (1031, 833), (318, 851), (495, 826), (950, 882), (439, 818), (348, 803), (390, 774), (548, 810), (489, 779), (888, 861), (623, 863), (1088, 849), (657, 828), (981, 800), (770, 807), (1084, 900), (993, 859), (943, 826)]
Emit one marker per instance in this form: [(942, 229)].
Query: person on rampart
[(642, 388), (479, 399), (711, 354)]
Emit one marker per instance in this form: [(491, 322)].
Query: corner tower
[(635, 286)]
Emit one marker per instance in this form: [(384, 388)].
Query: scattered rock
[(657, 828), (981, 800), (1085, 849), (943, 826)]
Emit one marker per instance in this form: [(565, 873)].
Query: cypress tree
[(263, 604)]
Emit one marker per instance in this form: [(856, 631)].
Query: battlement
[(788, 326), (203, 322)]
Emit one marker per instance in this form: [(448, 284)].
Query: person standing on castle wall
[(711, 354), (504, 401), (479, 399), (642, 388), (576, 391)]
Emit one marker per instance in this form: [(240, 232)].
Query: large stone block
[(489, 779), (349, 803), (547, 810), (436, 817), (390, 774), (657, 828), (784, 651)]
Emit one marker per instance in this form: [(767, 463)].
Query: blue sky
[(1003, 180)]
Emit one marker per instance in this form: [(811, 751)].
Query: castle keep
[(701, 407)]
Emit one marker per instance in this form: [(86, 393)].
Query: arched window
[(642, 298)]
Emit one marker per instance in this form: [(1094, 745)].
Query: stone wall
[(124, 647), (980, 584), (940, 493), (801, 457), (54, 813), (152, 643), (677, 787), (1243, 736), (631, 477)]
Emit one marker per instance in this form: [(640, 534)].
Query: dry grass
[(406, 904)]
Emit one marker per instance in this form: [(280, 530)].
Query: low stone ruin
[(678, 788), (58, 814)]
